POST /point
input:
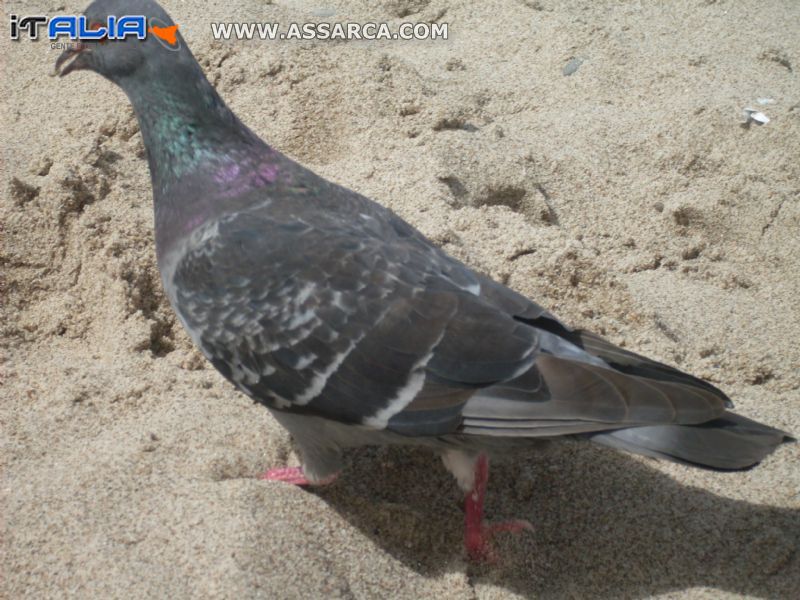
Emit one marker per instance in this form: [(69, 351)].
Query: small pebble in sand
[(752, 115), (572, 66)]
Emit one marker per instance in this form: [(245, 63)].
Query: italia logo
[(78, 28)]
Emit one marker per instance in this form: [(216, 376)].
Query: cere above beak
[(72, 59)]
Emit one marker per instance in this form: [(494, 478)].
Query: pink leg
[(294, 476), (477, 533)]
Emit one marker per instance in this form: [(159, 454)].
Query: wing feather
[(374, 325)]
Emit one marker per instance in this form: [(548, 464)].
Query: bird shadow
[(606, 525)]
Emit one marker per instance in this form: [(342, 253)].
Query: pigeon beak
[(72, 59)]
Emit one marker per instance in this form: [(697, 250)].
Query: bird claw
[(510, 526), (294, 476), (478, 540), (478, 533)]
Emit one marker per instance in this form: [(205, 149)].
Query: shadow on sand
[(607, 525)]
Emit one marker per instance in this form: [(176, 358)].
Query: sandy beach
[(591, 155)]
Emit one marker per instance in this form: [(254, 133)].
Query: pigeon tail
[(730, 443)]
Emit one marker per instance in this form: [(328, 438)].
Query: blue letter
[(90, 34), (135, 25), (62, 25)]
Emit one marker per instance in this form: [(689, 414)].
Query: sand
[(627, 197)]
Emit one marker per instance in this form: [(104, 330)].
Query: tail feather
[(631, 363), (585, 387), (730, 442), (622, 360)]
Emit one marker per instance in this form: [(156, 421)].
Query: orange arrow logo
[(168, 34)]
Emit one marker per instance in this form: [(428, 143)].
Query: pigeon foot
[(294, 476), (478, 533), (478, 540)]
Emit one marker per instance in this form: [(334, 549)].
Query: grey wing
[(332, 320), (580, 383), (387, 331)]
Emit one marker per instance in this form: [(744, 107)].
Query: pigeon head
[(183, 121), (126, 59)]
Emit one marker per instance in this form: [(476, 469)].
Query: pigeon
[(354, 329)]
